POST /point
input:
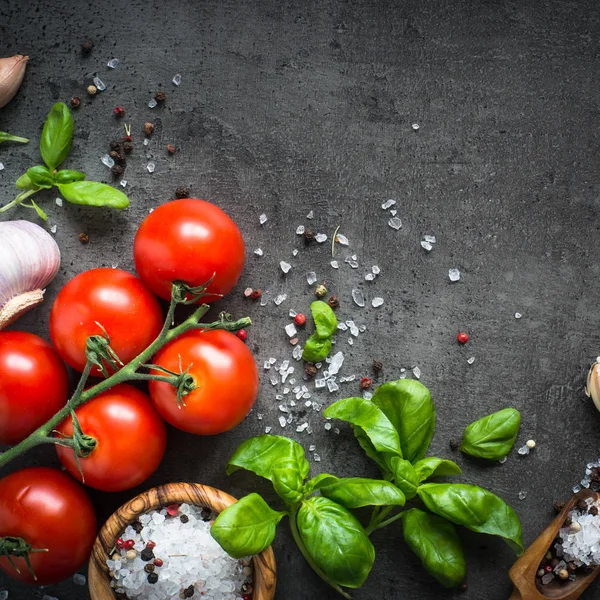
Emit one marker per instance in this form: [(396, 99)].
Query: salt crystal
[(393, 212), (53, 228), (327, 426), (107, 160), (79, 579), (258, 252), (150, 166), (291, 330), (274, 381), (471, 360), (285, 267), (350, 342), (311, 277), (375, 270), (415, 127), (576, 488), (310, 215), (369, 276), (146, 142), (332, 386), (113, 63), (353, 264), (376, 302), (503, 460), (518, 315), (522, 495), (99, 84), (354, 331), (59, 201), (316, 457), (395, 223), (283, 408), (272, 360), (3, 594), (358, 297), (417, 372), (523, 450), (1, 166), (337, 360), (297, 352), (342, 326), (268, 429), (177, 79), (429, 238), (282, 421), (321, 237), (153, 103), (320, 383), (262, 219), (387, 204), (547, 578), (279, 299), (426, 246), (302, 427), (453, 274), (341, 239), (300, 229), (123, 182)]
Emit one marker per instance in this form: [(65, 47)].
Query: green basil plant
[(394, 428)]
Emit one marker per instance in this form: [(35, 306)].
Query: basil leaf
[(325, 319), (246, 527), (435, 467), (355, 492), (262, 453), (24, 183), (318, 482), (57, 136), (367, 445), (39, 177), (335, 541), (68, 176), (404, 476), (287, 481), (370, 419), (435, 541), (40, 213), (407, 404), (316, 349), (475, 508), (92, 193), (492, 437)]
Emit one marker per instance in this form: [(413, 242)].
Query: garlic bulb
[(592, 387), (12, 71), (29, 260)]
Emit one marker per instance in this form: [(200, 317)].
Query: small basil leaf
[(57, 136), (435, 467), (318, 482), (68, 176), (92, 193), (367, 445), (355, 492), (435, 541), (40, 213), (24, 183), (325, 319), (474, 508), (335, 541), (492, 437), (246, 527), (407, 404), (40, 177), (261, 454), (371, 419), (287, 482), (316, 349), (404, 476)]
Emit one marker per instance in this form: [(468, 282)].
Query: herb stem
[(385, 523), (20, 198)]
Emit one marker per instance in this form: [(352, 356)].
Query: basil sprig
[(394, 429), (319, 344), (492, 437), (55, 145)]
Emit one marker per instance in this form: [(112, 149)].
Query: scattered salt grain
[(113, 63), (337, 360), (376, 302), (375, 270), (282, 421), (123, 182), (279, 299), (335, 264), (268, 429), (297, 352), (417, 372), (99, 84), (258, 252), (58, 201), (285, 267), (387, 204), (262, 219), (453, 274), (471, 360), (523, 450), (177, 79), (503, 460), (321, 237), (311, 277), (1, 166), (518, 315), (358, 297), (429, 238), (416, 126), (341, 239), (311, 215), (153, 103), (547, 578), (522, 495), (53, 228), (426, 246), (79, 579), (395, 223), (107, 161), (342, 327), (300, 229), (150, 166), (291, 330), (370, 277)]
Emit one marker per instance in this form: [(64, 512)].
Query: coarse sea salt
[(190, 555), (580, 541)]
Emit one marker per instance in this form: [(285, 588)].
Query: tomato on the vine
[(33, 384), (114, 299), (131, 439), (226, 380), (50, 512), (189, 240)]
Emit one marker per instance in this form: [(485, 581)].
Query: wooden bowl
[(264, 577)]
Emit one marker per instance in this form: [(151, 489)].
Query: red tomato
[(226, 379), (189, 240), (131, 439), (118, 301), (49, 511), (33, 384)]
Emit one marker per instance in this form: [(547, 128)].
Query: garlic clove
[(12, 71), (593, 383), (29, 261)]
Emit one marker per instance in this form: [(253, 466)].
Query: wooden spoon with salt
[(523, 572)]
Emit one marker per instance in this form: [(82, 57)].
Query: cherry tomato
[(226, 378), (118, 301), (33, 384), (189, 240), (49, 511), (131, 439)]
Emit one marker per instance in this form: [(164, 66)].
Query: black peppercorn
[(137, 526), (568, 521), (454, 444), (205, 514), (593, 510), (184, 518), (582, 505), (309, 236), (152, 578), (146, 554), (171, 149), (559, 505), (182, 192), (310, 370), (333, 302), (115, 145), (572, 567), (189, 591), (554, 563), (116, 170), (149, 568), (128, 147), (75, 102), (160, 96), (115, 155), (84, 238), (377, 366), (87, 46)]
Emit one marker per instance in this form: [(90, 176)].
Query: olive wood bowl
[(264, 576)]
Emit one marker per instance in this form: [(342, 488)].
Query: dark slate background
[(287, 107)]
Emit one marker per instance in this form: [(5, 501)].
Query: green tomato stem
[(128, 372), (300, 543)]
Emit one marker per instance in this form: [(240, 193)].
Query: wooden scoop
[(523, 572)]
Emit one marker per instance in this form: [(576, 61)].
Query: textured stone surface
[(290, 107)]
